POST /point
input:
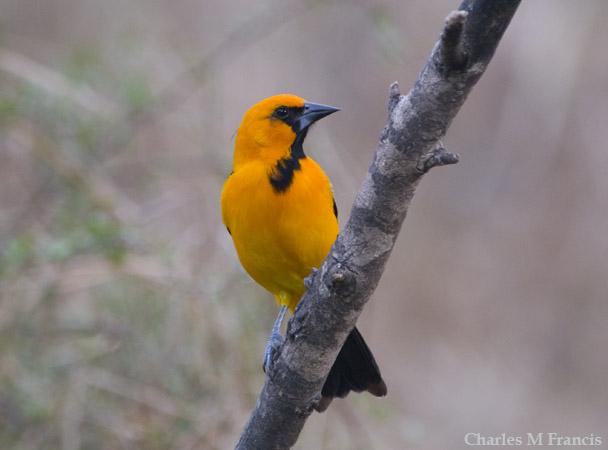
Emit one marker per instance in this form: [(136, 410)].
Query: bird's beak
[(313, 112)]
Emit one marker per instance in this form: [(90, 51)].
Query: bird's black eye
[(281, 112)]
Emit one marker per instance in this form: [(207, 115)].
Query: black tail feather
[(355, 370)]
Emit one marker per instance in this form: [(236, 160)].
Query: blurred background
[(126, 321)]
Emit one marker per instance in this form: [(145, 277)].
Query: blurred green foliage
[(89, 355)]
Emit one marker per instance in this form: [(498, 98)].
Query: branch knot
[(452, 51), (438, 156), (341, 281), (394, 97)]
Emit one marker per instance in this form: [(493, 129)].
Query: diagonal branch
[(410, 145)]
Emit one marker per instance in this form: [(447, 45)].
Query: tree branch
[(410, 145)]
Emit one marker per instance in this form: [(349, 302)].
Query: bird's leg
[(275, 339)]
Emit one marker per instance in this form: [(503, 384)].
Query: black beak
[(313, 112)]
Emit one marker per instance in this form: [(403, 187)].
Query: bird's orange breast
[(280, 236)]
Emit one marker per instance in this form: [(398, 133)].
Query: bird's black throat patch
[(282, 174)]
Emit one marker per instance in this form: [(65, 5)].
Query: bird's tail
[(355, 369)]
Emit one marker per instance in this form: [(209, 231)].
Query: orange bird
[(279, 208)]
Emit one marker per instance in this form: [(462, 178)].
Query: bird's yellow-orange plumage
[(278, 206), (279, 235)]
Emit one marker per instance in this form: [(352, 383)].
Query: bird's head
[(275, 127)]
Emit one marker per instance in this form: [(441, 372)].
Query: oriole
[(279, 208)]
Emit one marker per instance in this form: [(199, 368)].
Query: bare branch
[(410, 145)]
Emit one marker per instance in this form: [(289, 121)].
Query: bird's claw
[(308, 279), (274, 342)]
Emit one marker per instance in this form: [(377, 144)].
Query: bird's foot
[(308, 279), (274, 342)]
